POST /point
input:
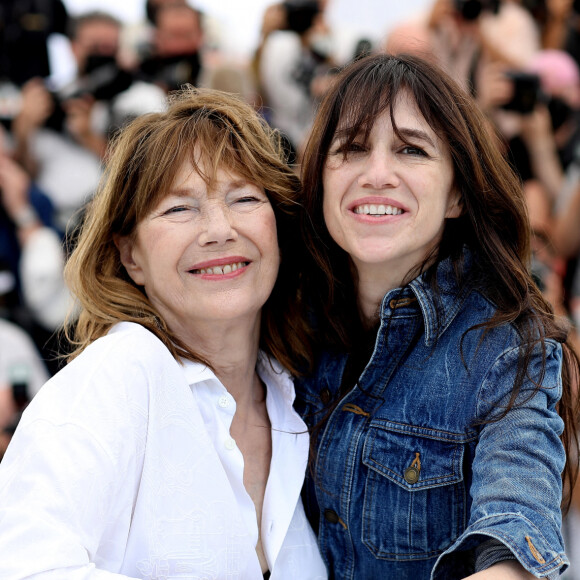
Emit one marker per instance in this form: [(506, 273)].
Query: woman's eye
[(349, 149), (247, 199), (176, 209), (353, 148), (410, 150), (356, 147)]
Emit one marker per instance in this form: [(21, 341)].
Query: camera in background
[(103, 82), (526, 93), (300, 15), (472, 9)]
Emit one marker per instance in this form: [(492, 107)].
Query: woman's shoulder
[(116, 370), (126, 344)]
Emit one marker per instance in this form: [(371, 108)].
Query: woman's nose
[(217, 227), (379, 171)]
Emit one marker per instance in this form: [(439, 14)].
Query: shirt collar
[(438, 312), (272, 372), (196, 372), (269, 369)]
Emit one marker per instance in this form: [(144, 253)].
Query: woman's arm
[(58, 489), (516, 484), (68, 480)]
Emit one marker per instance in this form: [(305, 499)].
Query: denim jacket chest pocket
[(414, 503)]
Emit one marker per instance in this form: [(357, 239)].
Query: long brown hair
[(494, 222), (142, 165)]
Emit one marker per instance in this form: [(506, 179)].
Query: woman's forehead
[(206, 169), (402, 108)]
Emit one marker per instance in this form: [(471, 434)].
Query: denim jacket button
[(325, 395), (411, 475), (331, 516)]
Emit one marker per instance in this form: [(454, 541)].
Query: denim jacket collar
[(438, 311)]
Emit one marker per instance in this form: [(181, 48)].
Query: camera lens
[(469, 9)]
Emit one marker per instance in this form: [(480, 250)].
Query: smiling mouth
[(221, 270), (377, 209)]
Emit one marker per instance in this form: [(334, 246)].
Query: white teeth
[(372, 209), (220, 270)]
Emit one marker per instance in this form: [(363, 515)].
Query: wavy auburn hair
[(494, 222), (143, 162)]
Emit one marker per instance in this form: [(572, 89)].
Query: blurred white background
[(238, 21)]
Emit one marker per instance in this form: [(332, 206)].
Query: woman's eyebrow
[(344, 132), (414, 134), (181, 192), (238, 183)]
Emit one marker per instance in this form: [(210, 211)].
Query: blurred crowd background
[(73, 72)]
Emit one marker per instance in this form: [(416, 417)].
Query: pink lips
[(376, 201), (221, 262)]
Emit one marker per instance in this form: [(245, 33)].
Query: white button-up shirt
[(123, 467)]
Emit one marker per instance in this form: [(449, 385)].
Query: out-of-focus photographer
[(61, 138), (105, 94), (291, 63), (94, 42), (470, 10), (541, 119), (571, 33), (25, 27), (465, 36), (173, 56), (22, 374)]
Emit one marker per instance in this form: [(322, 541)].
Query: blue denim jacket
[(406, 482)]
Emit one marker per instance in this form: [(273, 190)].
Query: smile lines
[(220, 270), (380, 209)]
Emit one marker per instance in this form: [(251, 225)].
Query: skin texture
[(193, 226)]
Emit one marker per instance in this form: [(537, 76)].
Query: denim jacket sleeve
[(516, 487)]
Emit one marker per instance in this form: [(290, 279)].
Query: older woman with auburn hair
[(168, 447), (442, 402)]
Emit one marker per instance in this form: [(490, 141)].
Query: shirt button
[(224, 401), (411, 475), (331, 516), (325, 395), (229, 444)]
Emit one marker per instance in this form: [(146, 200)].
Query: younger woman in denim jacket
[(441, 403)]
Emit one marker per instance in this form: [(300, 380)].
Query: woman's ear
[(454, 205), (125, 246)]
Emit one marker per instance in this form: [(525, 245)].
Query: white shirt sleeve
[(69, 476), (59, 505)]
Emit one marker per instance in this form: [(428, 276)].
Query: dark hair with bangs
[(493, 224), (143, 162), (494, 211)]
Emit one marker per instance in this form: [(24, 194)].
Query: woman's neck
[(372, 285), (376, 280), (231, 348)]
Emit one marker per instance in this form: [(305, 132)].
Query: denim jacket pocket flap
[(412, 457)]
